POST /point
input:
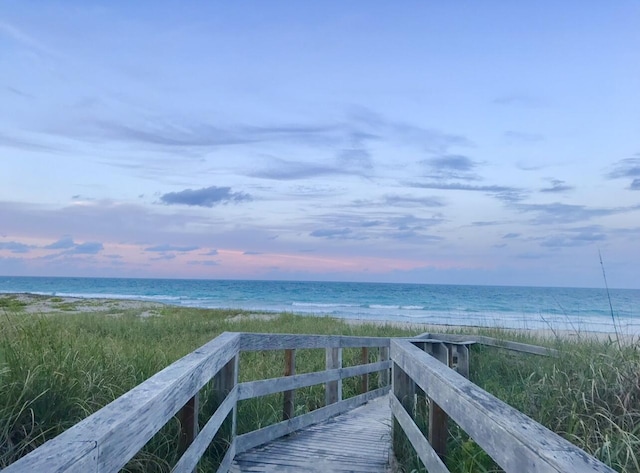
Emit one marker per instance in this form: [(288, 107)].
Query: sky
[(426, 142)]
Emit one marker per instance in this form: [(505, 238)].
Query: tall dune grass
[(57, 369)]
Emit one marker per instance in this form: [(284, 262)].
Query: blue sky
[(434, 142)]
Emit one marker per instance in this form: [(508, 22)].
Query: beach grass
[(55, 369)]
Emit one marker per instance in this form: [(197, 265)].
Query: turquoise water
[(514, 307)]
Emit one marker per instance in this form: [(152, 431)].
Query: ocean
[(502, 306)]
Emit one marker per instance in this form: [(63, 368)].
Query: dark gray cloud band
[(206, 197)]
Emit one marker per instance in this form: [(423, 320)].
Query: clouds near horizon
[(414, 142)]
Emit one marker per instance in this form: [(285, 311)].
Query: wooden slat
[(123, 427), (277, 341), (364, 360), (516, 442), (427, 454), (264, 387), (191, 457), (490, 341), (251, 439), (188, 416), (227, 460), (288, 403), (333, 389), (438, 418), (356, 441)]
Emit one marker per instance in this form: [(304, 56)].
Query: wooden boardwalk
[(356, 441)]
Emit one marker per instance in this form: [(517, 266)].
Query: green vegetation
[(57, 369)]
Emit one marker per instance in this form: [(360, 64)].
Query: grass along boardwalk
[(422, 373)]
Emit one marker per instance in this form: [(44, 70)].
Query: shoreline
[(47, 304)]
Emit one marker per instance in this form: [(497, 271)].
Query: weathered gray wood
[(516, 442), (189, 427), (227, 460), (123, 427), (490, 341), (258, 437), (275, 385), (384, 375), (364, 386), (404, 389), (278, 341), (74, 457), (438, 419), (333, 389), (192, 455), (427, 454), (462, 366), (289, 399), (355, 441)]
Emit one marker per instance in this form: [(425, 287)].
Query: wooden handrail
[(516, 442), (105, 441)]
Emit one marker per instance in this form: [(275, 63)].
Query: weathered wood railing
[(108, 439), (517, 443)]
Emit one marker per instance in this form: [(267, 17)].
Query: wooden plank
[(264, 387), (258, 437), (289, 401), (355, 441), (333, 389), (74, 457), (463, 360), (516, 442), (427, 454), (438, 419), (364, 383), (123, 427), (490, 341), (189, 427), (279, 341), (192, 455), (384, 375), (227, 460)]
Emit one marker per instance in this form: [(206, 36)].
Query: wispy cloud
[(575, 237), (207, 197), (70, 247), (451, 167), (283, 170), (27, 144), (63, 243), (15, 247), (510, 236), (557, 186), (332, 233), (557, 212), (167, 247), (412, 201), (88, 248), (454, 186), (627, 168)]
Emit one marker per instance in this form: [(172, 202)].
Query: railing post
[(365, 377), (438, 418), (463, 360), (333, 389), (223, 382), (289, 396), (383, 376), (189, 427), (404, 389)]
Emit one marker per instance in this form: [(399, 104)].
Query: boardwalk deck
[(356, 441)]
